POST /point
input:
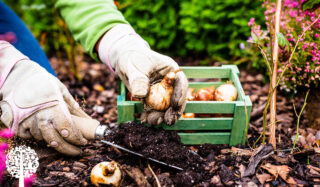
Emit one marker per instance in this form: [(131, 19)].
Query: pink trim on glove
[(111, 38), (19, 114), (11, 59)]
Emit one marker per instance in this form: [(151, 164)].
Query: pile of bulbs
[(225, 92)]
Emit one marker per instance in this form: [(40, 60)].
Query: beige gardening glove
[(36, 104), (138, 66)]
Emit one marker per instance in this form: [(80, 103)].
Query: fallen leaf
[(265, 177), (237, 151), (281, 171)]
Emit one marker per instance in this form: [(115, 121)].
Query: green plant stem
[(299, 116), (278, 81), (266, 59)]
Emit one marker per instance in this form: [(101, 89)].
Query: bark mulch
[(204, 165)]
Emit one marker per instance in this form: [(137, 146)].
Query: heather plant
[(292, 34), (302, 71), (5, 135)]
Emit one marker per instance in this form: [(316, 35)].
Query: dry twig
[(154, 175)]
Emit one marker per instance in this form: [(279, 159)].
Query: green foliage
[(216, 28), (282, 40), (192, 27), (155, 20), (310, 4), (178, 27)]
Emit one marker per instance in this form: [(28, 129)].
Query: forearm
[(89, 20)]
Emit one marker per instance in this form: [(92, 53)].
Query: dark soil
[(164, 146), (205, 165)]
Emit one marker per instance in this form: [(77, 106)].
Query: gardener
[(36, 104)]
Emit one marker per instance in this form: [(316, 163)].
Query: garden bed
[(211, 165)]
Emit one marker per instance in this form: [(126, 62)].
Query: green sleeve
[(88, 20)]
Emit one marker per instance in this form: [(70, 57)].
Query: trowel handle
[(90, 129)]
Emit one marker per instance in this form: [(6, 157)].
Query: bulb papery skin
[(204, 95), (160, 93), (212, 90), (190, 94), (188, 115), (159, 96), (226, 92), (106, 173)]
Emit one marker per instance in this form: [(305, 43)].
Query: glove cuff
[(9, 56), (111, 38)]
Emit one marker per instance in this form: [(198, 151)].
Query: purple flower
[(6, 133), (316, 35), (251, 22), (28, 181), (2, 164), (3, 147)]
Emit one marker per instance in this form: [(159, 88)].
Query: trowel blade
[(141, 155)]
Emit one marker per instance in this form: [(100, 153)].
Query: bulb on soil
[(160, 93), (106, 173), (226, 92)]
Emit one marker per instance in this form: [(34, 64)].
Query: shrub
[(217, 28), (179, 27), (304, 68), (185, 28)]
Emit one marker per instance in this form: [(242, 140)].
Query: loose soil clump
[(164, 146)]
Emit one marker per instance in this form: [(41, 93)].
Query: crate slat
[(199, 85), (123, 90), (125, 111), (201, 124), (205, 137), (206, 72), (213, 107), (204, 107)]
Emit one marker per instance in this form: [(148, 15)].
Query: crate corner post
[(125, 111), (248, 105), (234, 68), (238, 126)]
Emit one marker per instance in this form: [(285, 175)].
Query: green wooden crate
[(213, 130)]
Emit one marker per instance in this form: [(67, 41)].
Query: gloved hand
[(138, 66), (36, 104)]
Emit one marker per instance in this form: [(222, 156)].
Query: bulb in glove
[(160, 93), (226, 92)]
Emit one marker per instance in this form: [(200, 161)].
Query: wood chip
[(136, 175), (264, 178), (282, 171), (237, 151)]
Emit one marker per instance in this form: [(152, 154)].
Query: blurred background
[(206, 31)]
